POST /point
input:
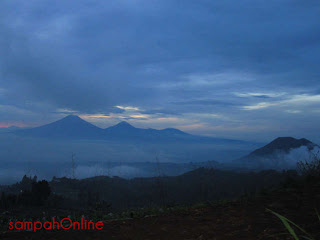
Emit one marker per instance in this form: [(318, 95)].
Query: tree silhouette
[(40, 191)]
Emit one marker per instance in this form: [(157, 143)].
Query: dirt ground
[(245, 219), (229, 221)]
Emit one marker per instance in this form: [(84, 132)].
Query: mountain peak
[(124, 124), (283, 144), (72, 117), (174, 131), (71, 126), (71, 120)]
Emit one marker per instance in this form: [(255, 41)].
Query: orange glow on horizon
[(7, 125)]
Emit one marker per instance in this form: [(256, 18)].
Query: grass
[(289, 225)]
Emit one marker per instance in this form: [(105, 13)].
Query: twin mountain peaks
[(74, 127)]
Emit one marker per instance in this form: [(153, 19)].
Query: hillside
[(195, 186), (242, 218)]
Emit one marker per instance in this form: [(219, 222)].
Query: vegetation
[(209, 198), (310, 172), (310, 167), (290, 226), (200, 185), (32, 193)]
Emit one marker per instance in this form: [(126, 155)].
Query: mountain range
[(131, 148), (74, 127)]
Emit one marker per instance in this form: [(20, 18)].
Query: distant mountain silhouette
[(283, 144), (125, 130), (283, 152), (73, 127), (122, 125), (121, 129)]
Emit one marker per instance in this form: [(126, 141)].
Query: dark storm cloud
[(166, 57)]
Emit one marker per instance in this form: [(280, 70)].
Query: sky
[(239, 69)]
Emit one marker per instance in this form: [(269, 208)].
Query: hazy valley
[(121, 150)]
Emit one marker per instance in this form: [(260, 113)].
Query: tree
[(40, 191)]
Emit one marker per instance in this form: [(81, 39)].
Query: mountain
[(281, 153), (284, 144), (73, 127), (69, 127), (124, 130)]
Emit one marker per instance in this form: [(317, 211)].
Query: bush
[(310, 167)]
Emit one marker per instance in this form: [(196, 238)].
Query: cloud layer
[(244, 69)]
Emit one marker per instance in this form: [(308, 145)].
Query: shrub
[(310, 167)]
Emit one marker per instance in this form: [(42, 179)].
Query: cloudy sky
[(241, 69)]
